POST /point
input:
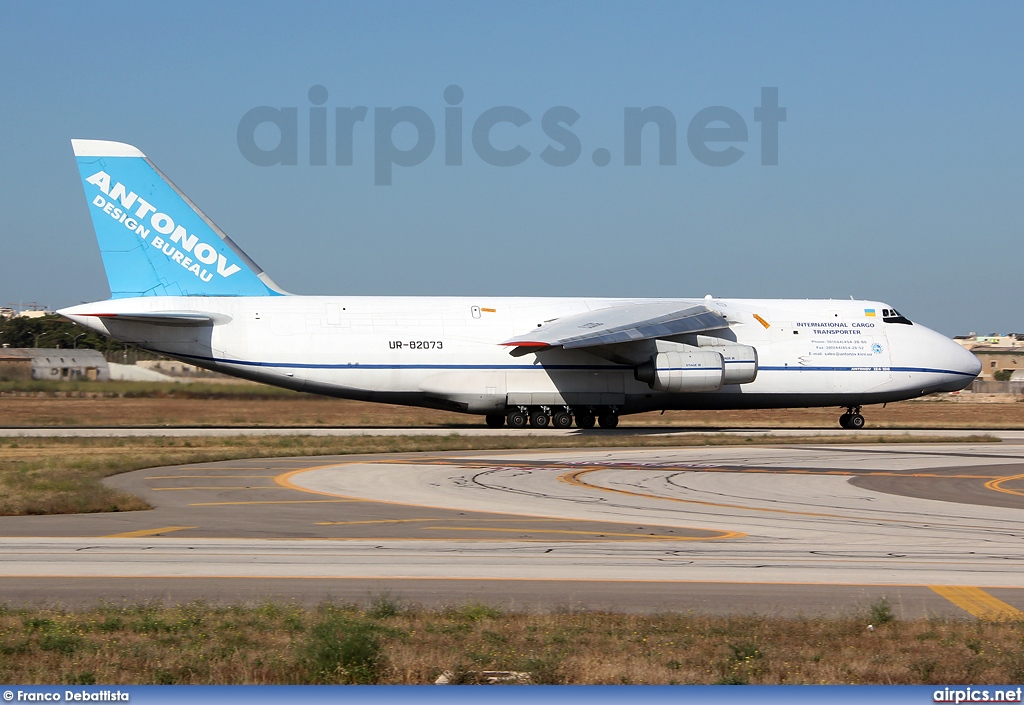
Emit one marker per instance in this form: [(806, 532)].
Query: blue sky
[(899, 174)]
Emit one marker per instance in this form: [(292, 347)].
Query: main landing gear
[(852, 419), (557, 417)]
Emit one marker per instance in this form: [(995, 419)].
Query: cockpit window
[(891, 315)]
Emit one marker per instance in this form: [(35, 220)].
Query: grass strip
[(384, 641), (188, 389), (41, 403), (63, 475)]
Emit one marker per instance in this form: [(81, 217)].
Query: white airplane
[(182, 288)]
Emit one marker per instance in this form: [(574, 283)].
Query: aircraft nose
[(960, 365), (946, 365), (966, 361)]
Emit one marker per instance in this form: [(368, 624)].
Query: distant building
[(52, 363), (994, 359), (996, 352), (34, 313), (172, 368), (973, 340)]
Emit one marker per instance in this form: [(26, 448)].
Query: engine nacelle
[(740, 360), (697, 371)]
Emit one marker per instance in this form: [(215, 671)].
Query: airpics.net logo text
[(712, 134), (191, 253)]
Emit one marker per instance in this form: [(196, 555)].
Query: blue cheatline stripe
[(866, 368), (361, 366)]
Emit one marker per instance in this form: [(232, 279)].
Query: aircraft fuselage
[(446, 352)]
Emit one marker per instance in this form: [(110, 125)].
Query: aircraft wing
[(166, 318), (620, 324)]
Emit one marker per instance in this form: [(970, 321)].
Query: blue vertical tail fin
[(154, 240)]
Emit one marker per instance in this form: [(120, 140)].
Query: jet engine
[(740, 360), (696, 371)]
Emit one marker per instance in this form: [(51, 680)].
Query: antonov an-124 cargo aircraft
[(182, 288)]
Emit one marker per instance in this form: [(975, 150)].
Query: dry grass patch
[(46, 403), (387, 643)]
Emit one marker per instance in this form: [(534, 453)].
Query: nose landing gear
[(852, 419)]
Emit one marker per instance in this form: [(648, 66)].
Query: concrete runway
[(937, 529)]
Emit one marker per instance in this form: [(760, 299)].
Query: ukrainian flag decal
[(869, 312)]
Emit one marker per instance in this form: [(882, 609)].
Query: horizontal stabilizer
[(620, 324), (166, 318)]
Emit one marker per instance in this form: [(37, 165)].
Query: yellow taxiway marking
[(206, 477), (492, 465), (997, 485), (517, 520), (596, 534), (215, 487), (273, 501), (218, 468), (285, 480), (141, 533), (574, 478), (372, 521), (526, 530), (979, 603)]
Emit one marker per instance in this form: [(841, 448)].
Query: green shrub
[(881, 612), (343, 650), (384, 606)]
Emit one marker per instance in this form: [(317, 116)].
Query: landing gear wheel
[(495, 420), (852, 419), (585, 420), (539, 419), (515, 419), (561, 419), (608, 420)]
